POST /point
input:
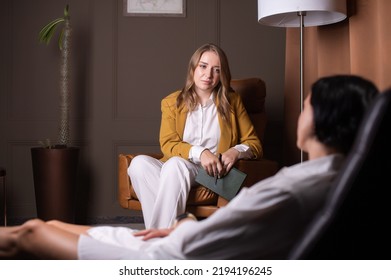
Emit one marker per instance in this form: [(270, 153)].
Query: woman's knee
[(139, 164), (136, 165), (54, 222), (33, 224)]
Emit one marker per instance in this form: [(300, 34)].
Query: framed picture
[(170, 8)]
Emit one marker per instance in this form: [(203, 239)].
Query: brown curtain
[(358, 45)]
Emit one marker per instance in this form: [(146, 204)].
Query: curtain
[(358, 45)]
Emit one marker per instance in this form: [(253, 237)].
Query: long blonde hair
[(188, 95)]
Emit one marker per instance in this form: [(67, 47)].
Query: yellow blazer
[(173, 122)]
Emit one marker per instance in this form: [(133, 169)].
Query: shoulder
[(310, 178), (235, 101), (170, 100), (233, 95), (234, 98), (172, 95)]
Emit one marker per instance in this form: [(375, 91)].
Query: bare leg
[(77, 229), (38, 239)]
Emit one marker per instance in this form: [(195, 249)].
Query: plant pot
[(55, 177)]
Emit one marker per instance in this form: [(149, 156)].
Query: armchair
[(202, 202)]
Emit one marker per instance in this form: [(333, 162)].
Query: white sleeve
[(244, 151), (195, 154)]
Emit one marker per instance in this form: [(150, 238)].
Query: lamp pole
[(301, 15)]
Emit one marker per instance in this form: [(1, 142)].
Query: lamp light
[(293, 13)]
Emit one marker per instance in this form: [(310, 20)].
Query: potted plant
[(55, 165)]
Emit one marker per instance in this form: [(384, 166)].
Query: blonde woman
[(204, 119)]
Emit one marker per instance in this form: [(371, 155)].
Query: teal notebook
[(227, 186)]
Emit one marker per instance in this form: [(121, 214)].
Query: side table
[(2, 177)]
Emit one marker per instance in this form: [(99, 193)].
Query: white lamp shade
[(284, 13)]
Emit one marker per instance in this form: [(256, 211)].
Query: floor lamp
[(300, 13)]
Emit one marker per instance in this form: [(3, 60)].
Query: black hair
[(339, 103)]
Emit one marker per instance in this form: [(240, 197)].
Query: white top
[(261, 222), (202, 130)]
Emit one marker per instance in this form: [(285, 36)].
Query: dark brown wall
[(121, 68)]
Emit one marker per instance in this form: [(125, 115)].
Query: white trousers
[(162, 187)]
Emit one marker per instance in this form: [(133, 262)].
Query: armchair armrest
[(256, 170)]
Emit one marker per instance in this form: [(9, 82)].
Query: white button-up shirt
[(202, 130)]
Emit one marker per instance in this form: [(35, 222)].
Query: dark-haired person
[(261, 222)]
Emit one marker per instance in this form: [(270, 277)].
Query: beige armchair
[(202, 202)]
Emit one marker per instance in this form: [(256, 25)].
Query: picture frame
[(168, 8)]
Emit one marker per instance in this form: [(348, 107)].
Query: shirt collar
[(209, 102)]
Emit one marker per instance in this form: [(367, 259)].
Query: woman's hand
[(153, 233), (160, 233), (211, 163), (229, 158), (215, 167)]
